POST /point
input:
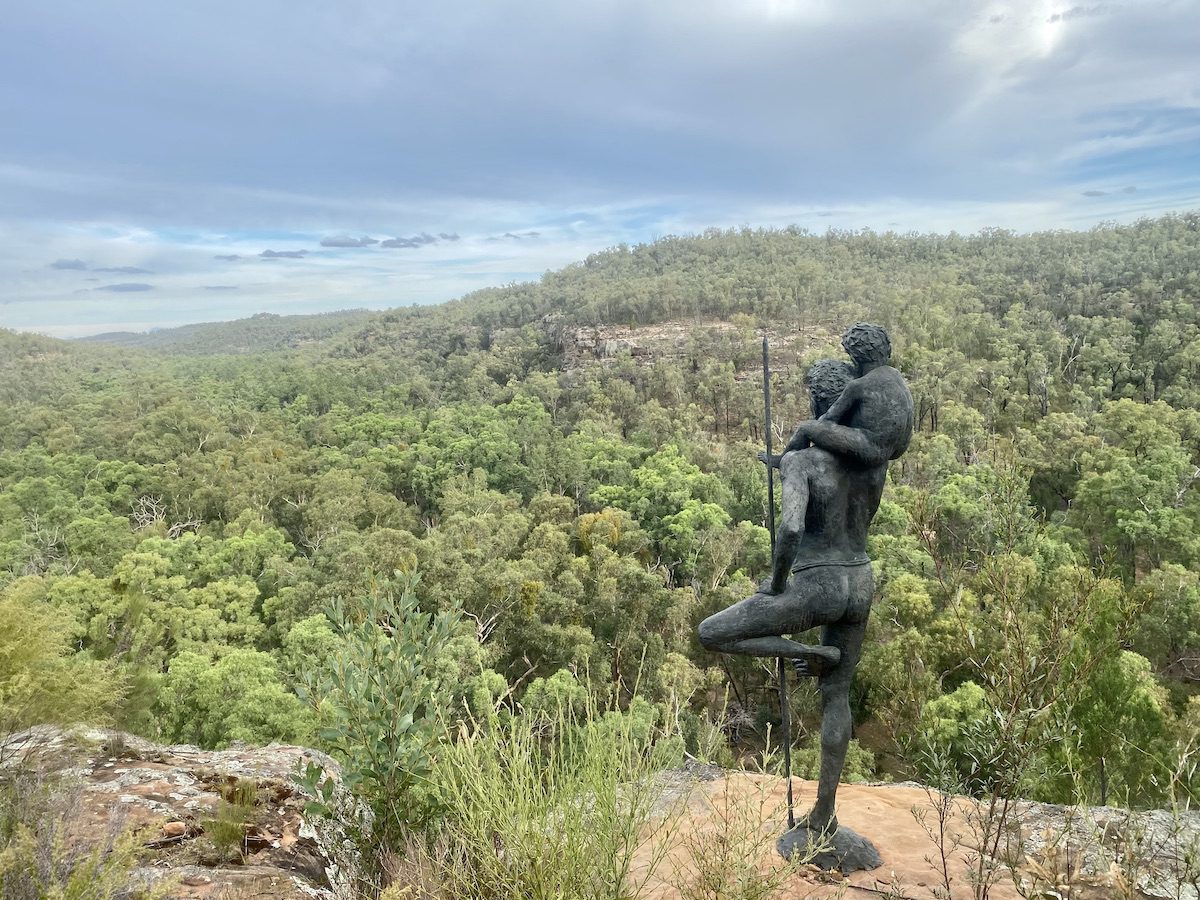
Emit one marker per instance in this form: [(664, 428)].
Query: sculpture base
[(844, 849)]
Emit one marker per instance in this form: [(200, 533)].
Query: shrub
[(41, 680), (38, 861), (550, 804), (380, 705)]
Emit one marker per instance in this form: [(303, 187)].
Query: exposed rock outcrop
[(588, 344), (186, 807), (176, 798), (1057, 851)]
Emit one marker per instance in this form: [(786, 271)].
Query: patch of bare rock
[(587, 344), (213, 823), (1048, 851)]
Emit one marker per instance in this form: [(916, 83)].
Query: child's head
[(826, 380)]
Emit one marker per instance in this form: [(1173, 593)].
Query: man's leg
[(836, 727), (836, 721), (756, 626)]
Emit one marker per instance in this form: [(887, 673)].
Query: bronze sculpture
[(833, 471)]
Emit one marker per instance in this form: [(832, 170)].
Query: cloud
[(1131, 189), (709, 99), (221, 287), (417, 240), (1079, 12), (125, 287), (283, 254), (637, 120), (346, 241), (78, 265)]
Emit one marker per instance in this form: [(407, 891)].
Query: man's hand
[(800, 439), (772, 461)]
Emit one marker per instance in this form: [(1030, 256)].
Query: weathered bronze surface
[(833, 471)]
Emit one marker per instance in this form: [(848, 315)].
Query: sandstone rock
[(602, 344), (165, 794), (1086, 850)]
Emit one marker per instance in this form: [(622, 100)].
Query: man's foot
[(816, 660), (819, 824)]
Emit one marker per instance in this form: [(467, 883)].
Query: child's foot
[(816, 660)]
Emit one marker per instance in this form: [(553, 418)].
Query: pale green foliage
[(481, 693), (549, 806), (379, 702), (40, 679), (945, 720), (559, 695), (312, 638), (680, 678), (213, 698), (906, 600), (860, 762)]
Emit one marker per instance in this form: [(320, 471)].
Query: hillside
[(258, 333), (518, 506)]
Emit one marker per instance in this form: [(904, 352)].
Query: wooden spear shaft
[(785, 707)]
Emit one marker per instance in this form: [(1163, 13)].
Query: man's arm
[(837, 414), (855, 444)]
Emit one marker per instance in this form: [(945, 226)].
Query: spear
[(785, 710)]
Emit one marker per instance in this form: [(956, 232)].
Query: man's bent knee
[(728, 626), (712, 635)]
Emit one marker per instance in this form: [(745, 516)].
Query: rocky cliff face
[(584, 345), (211, 823), (232, 823)]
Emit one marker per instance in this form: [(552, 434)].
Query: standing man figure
[(833, 472)]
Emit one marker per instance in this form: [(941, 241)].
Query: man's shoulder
[(884, 376)]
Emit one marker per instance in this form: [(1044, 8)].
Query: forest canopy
[(562, 476)]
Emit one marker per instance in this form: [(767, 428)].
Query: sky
[(164, 163)]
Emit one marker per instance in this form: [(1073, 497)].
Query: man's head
[(867, 344), (825, 382)]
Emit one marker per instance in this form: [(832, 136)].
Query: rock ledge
[(169, 796)]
